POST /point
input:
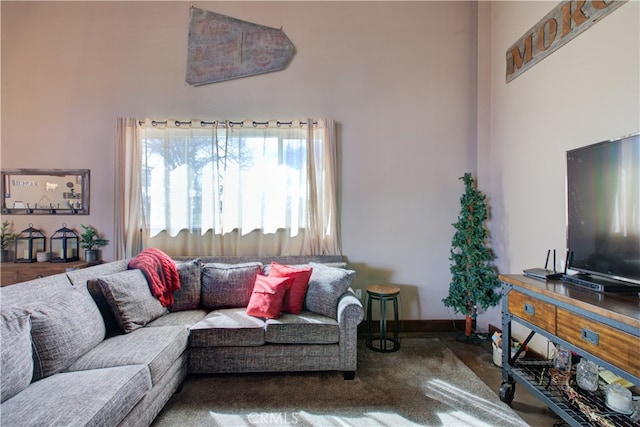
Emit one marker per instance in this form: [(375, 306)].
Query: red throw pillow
[(294, 298), (267, 295)]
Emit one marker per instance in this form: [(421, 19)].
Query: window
[(207, 181)]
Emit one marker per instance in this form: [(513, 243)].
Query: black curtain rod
[(223, 123)]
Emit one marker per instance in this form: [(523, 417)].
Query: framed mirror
[(45, 191)]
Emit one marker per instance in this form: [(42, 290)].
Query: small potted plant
[(7, 237), (90, 241)]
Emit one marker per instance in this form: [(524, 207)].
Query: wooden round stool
[(383, 293)]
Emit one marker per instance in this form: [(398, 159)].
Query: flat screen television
[(603, 212)]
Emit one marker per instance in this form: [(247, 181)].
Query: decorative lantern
[(28, 243), (63, 245)]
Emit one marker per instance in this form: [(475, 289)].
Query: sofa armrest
[(350, 308), (350, 314)]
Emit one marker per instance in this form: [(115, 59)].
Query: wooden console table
[(16, 272), (601, 327)]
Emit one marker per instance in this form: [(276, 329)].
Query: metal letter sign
[(560, 26), (224, 48)]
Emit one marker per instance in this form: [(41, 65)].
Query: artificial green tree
[(474, 281)]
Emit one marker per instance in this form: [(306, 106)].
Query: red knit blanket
[(161, 273)]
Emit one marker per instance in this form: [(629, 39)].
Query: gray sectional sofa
[(94, 347)]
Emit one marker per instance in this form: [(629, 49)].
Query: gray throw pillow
[(228, 285), (130, 299), (326, 285), (63, 329), (17, 358), (110, 322), (188, 296)]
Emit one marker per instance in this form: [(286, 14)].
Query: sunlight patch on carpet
[(454, 397), (373, 419), (461, 419), (423, 384), (273, 419), (229, 419), (379, 419)]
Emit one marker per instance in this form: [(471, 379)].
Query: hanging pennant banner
[(565, 22), (224, 48)]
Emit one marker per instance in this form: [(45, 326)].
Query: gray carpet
[(423, 384)]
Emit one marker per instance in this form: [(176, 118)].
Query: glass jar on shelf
[(587, 375), (562, 360)]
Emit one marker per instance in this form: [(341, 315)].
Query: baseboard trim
[(437, 325)]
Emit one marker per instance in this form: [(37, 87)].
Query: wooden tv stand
[(601, 327)]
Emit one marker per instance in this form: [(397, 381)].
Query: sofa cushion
[(267, 296), (186, 319), (267, 358), (100, 397), (110, 322), (157, 348), (305, 328), (228, 285), (188, 296), (88, 276), (130, 299), (63, 330), (285, 260), (326, 285), (42, 289), (227, 327), (267, 268), (294, 298), (145, 412), (82, 275), (17, 357)]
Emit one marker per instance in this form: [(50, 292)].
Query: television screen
[(603, 209)]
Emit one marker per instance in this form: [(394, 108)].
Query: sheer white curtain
[(229, 188), (324, 226), (128, 202)]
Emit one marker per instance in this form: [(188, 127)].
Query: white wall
[(585, 92), (398, 77)]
